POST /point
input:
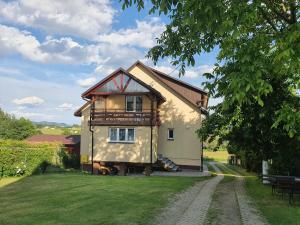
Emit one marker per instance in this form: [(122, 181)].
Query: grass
[(59, 130), (218, 156), (72, 198), (277, 211)]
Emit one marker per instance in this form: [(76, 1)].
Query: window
[(121, 135), (134, 103), (170, 134)]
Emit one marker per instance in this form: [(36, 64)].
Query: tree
[(12, 128), (259, 55)]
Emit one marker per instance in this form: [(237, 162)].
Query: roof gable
[(195, 96), (121, 82)]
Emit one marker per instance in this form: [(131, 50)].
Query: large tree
[(13, 128), (258, 63)]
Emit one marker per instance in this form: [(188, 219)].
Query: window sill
[(121, 142), (170, 139)]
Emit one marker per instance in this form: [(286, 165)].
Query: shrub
[(69, 160), (23, 158)]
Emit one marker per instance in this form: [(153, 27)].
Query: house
[(71, 143), (139, 116)]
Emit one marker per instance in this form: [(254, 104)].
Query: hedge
[(23, 158)]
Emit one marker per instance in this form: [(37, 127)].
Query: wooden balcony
[(121, 117)]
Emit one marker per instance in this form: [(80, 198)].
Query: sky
[(51, 51)]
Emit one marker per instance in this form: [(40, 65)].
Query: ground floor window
[(117, 134)]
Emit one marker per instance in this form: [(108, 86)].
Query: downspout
[(92, 131), (201, 167), (151, 134)]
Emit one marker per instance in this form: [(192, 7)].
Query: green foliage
[(12, 128), (22, 158), (257, 73), (69, 160)]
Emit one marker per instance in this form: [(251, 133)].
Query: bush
[(23, 158), (69, 160)]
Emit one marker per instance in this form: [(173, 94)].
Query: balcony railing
[(101, 117)]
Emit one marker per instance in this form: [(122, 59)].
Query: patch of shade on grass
[(85, 199)]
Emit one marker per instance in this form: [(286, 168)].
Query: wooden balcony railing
[(121, 117)]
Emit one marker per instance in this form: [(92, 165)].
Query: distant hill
[(51, 124)]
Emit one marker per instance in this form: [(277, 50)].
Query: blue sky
[(51, 51)]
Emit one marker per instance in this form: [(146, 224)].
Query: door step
[(167, 164)]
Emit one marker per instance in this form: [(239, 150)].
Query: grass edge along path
[(85, 199)]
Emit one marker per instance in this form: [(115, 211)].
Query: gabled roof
[(64, 139), (189, 92), (79, 111), (89, 92)]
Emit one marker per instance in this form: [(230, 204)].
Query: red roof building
[(71, 142)]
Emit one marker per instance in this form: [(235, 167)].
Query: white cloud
[(142, 36), (82, 18), (9, 70), (66, 107), (33, 115), (29, 101), (87, 82), (64, 50)]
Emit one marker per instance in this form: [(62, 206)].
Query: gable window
[(134, 103), (170, 134), (126, 135)]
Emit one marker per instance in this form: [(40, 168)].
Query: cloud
[(87, 82), (82, 18), (142, 36), (66, 107), (29, 101), (9, 70), (33, 115)]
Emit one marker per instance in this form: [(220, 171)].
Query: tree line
[(16, 129)]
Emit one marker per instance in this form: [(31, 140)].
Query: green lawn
[(59, 130), (277, 211), (84, 199), (218, 156)]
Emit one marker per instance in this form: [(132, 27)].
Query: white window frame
[(168, 134), (134, 103), (126, 135)]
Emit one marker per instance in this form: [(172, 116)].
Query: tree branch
[(266, 17)]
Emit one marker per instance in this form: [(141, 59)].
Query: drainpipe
[(201, 167), (92, 131), (151, 134)]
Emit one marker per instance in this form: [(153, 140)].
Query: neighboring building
[(133, 116), (70, 142)]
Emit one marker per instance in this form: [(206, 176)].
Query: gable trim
[(131, 77)]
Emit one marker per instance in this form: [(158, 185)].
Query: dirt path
[(231, 205), (191, 206), (224, 208), (214, 201)]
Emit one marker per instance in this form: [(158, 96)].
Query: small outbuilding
[(70, 142)]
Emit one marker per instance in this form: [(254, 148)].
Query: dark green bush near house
[(22, 158), (69, 160)]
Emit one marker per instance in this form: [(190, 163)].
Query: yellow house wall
[(175, 113), (118, 102), (137, 152)]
